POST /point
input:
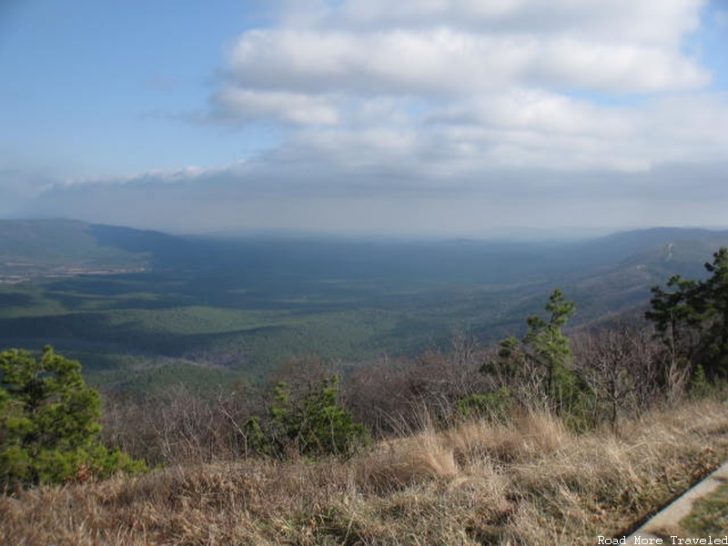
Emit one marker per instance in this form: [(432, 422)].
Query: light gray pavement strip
[(671, 515)]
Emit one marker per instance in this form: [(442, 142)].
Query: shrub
[(538, 367), (700, 387), (314, 425), (494, 405), (49, 423)]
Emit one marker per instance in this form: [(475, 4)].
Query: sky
[(415, 117)]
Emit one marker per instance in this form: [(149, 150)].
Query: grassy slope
[(530, 483)]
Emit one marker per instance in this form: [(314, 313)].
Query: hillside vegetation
[(543, 439)]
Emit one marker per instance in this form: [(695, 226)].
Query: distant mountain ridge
[(626, 243), (31, 248), (663, 251)]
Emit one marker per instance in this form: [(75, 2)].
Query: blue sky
[(92, 87), (451, 116)]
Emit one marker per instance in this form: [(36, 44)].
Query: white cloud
[(446, 61), (453, 86), (287, 107)]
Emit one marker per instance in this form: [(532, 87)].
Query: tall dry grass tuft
[(398, 463), (526, 436), (527, 482)]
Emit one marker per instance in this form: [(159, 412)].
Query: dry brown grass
[(530, 482), (527, 436)]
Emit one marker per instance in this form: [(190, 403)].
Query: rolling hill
[(37, 248)]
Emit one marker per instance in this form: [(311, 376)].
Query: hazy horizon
[(360, 117), (503, 234)]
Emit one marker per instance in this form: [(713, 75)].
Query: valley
[(143, 309)]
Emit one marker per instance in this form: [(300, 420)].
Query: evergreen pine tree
[(49, 422)]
